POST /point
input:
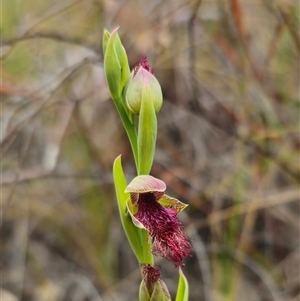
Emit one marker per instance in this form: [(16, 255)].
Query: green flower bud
[(143, 87), (116, 65), (152, 288), (144, 97)]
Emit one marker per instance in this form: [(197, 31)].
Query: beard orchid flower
[(151, 209)]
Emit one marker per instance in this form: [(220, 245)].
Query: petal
[(144, 184), (172, 203), (132, 210), (143, 292), (134, 198)]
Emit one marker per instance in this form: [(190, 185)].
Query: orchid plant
[(148, 215)]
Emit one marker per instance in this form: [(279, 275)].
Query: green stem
[(129, 128), (147, 247)]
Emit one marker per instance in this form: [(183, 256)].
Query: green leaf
[(138, 238), (143, 292), (183, 288), (122, 56), (129, 128), (117, 74), (112, 66), (116, 67), (134, 234), (159, 292), (146, 136), (106, 36)]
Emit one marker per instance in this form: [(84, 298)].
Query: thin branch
[(293, 33), (51, 156), (40, 173), (201, 252), (43, 104), (192, 50), (276, 199), (279, 162), (243, 35), (52, 36), (50, 14)]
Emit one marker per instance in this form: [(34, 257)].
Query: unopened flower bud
[(143, 86), (116, 66), (152, 288), (144, 97)]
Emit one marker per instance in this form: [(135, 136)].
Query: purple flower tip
[(143, 64), (151, 274)]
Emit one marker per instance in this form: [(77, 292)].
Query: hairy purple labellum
[(156, 212), (164, 228)]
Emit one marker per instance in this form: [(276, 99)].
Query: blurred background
[(228, 145)]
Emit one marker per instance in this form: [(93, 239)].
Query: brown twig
[(192, 50), (66, 74), (286, 19), (276, 199), (52, 36), (243, 35)]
